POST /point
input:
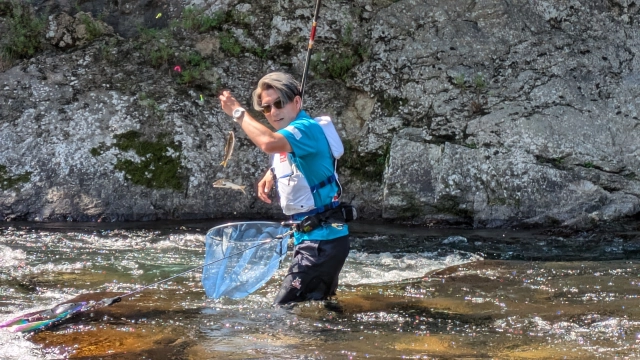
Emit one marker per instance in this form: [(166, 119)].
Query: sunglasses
[(266, 109)]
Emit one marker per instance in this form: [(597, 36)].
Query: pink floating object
[(177, 68)]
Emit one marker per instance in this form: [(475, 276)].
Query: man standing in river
[(303, 171)]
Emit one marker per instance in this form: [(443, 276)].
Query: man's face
[(279, 118)]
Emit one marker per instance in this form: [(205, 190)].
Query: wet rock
[(454, 113), (454, 240)]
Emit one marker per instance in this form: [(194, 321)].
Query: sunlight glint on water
[(389, 304)]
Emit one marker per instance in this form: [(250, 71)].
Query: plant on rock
[(24, 32)]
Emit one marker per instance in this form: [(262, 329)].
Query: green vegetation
[(337, 64), (24, 32), (347, 35), (196, 20), (93, 28), (471, 145), (229, 44), (556, 162), (159, 55), (7, 181), (367, 166), (589, 165), (459, 81), (148, 35), (479, 83), (155, 43), (107, 52), (156, 169), (151, 105), (195, 67)]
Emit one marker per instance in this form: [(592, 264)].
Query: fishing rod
[(305, 73)]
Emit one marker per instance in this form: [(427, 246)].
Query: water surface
[(405, 293)]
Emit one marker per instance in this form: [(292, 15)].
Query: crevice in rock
[(556, 162)]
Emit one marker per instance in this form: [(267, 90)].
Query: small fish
[(224, 183), (228, 148)]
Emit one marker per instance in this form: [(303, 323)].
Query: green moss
[(5, 8), (99, 150), (24, 32), (588, 165), (334, 64), (498, 201), (412, 208), (337, 63), (8, 182), (450, 204), (365, 166), (391, 104), (156, 169), (260, 52)]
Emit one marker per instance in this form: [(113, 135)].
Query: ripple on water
[(10, 258), (363, 268)]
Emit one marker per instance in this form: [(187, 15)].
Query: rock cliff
[(469, 112)]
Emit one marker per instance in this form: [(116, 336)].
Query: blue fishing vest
[(306, 179)]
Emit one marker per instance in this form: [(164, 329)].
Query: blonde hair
[(284, 84)]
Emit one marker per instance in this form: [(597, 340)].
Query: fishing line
[(39, 320), (278, 237)]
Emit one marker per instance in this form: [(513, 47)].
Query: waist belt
[(300, 216), (340, 213)]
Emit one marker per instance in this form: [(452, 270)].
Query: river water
[(412, 293)]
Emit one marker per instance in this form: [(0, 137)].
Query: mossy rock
[(159, 166), (365, 166), (8, 182)]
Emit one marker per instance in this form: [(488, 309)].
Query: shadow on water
[(405, 293)]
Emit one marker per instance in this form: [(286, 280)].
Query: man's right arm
[(265, 139)]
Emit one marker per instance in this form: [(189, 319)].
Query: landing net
[(258, 248)]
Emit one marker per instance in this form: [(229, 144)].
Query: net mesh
[(258, 253)]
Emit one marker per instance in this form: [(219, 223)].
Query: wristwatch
[(238, 114)]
